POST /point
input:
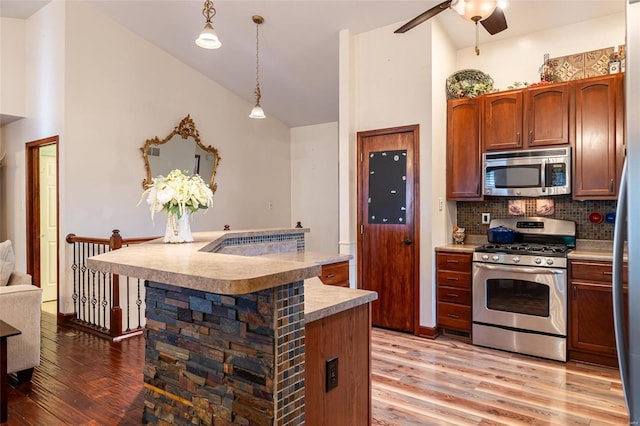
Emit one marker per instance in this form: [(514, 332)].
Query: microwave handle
[(544, 175)]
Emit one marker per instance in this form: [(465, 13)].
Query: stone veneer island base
[(227, 334)]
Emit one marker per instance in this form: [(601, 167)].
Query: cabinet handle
[(330, 276), (453, 316), (453, 295), (575, 292), (611, 186), (530, 136), (452, 261), (453, 278), (607, 273), (518, 138)]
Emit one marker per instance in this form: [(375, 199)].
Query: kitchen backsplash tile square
[(470, 214)]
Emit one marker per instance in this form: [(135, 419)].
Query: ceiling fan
[(487, 12)]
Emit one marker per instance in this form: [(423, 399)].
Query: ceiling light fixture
[(208, 39), (475, 11), (257, 111)]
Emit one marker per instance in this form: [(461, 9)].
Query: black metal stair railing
[(101, 304)]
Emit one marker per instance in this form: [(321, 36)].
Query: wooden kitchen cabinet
[(336, 274), (347, 337), (453, 281), (464, 156), (591, 333), (546, 115), (503, 121), (528, 118), (599, 137)]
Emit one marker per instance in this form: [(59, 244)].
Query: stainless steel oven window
[(518, 296)]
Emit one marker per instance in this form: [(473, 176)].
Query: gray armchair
[(21, 306)]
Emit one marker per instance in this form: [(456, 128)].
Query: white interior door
[(48, 223)]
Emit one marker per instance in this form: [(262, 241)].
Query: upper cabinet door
[(503, 121), (599, 150), (463, 149), (547, 112)]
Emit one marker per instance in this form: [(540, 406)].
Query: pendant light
[(257, 111), (208, 39)]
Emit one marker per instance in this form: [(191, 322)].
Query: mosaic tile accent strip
[(290, 361), (582, 65), (234, 241), (470, 214), (224, 360)]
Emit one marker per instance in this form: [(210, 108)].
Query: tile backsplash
[(470, 214)]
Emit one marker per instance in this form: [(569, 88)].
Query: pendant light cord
[(257, 91)]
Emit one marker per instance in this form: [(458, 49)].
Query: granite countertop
[(470, 243), (192, 265), (598, 250), (322, 300)]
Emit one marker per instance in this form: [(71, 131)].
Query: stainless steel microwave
[(527, 173)]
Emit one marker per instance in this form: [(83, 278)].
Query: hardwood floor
[(445, 381), (85, 380)]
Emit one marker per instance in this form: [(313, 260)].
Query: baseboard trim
[(428, 332)]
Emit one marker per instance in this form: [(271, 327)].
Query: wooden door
[(547, 111), (503, 121), (33, 208), (387, 238), (464, 156), (599, 151)]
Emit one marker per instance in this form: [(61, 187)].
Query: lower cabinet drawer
[(335, 274), (454, 279), (454, 295), (451, 315)]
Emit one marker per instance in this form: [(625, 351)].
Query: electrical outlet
[(486, 218), (440, 204), (331, 373)]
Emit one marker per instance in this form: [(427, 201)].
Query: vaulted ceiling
[(299, 39)]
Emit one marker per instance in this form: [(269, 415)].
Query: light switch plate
[(486, 218)]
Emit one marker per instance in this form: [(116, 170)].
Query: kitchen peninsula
[(241, 331)]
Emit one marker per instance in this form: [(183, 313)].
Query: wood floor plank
[(85, 380)]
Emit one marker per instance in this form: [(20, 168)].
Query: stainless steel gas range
[(520, 288)]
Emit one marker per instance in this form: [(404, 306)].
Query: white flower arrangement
[(177, 193)]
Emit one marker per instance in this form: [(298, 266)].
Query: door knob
[(408, 241)]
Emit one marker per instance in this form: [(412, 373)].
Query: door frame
[(414, 129), (32, 201)]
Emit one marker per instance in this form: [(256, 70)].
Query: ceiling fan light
[(208, 39), (474, 10), (257, 112)]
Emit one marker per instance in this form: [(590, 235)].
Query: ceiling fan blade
[(496, 22), (423, 17)]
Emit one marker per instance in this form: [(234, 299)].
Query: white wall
[(314, 184), (395, 87), (119, 90), (44, 80), (12, 68), (519, 58), (435, 223)]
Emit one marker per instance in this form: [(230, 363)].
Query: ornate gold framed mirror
[(181, 149)]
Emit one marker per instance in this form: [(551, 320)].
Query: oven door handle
[(520, 269)]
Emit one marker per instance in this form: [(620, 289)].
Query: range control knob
[(485, 257), (516, 259), (549, 261), (537, 261), (495, 257)]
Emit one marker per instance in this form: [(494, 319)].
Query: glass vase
[(178, 228)]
